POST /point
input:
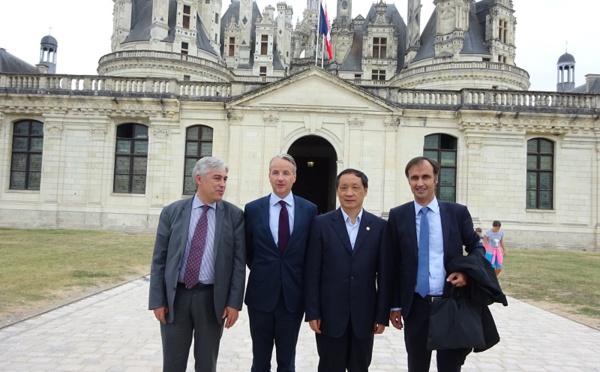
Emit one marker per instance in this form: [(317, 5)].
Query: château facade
[(183, 81)]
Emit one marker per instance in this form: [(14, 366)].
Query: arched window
[(131, 158), (26, 160), (442, 148), (540, 174), (198, 144)]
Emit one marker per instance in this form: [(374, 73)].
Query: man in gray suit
[(198, 270)]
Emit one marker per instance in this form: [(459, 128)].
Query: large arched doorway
[(316, 160)]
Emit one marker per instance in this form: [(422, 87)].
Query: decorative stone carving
[(160, 134), (233, 115), (392, 122), (53, 130), (271, 118), (98, 132), (356, 122)]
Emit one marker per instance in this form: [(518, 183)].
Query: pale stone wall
[(365, 131)]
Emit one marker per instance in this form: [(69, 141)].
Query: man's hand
[(396, 319), (231, 314), (161, 314), (315, 325), (457, 279), (379, 328)]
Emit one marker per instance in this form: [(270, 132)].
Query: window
[(378, 75), (231, 46), (540, 173), (131, 158), (379, 47), (26, 160), (502, 30), (502, 59), (184, 48), (186, 16), (217, 18), (264, 44), (198, 144), (262, 71), (442, 149)]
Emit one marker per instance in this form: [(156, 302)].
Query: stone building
[(189, 78)]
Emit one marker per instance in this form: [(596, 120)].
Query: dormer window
[(379, 47), (264, 44), (502, 30), (186, 16), (231, 46)]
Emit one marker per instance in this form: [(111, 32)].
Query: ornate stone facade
[(385, 98)]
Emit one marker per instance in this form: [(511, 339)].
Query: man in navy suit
[(277, 228), (194, 296), (424, 235), (347, 279)]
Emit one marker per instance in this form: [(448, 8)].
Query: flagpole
[(317, 34)]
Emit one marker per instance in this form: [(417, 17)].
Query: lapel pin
[(368, 228)]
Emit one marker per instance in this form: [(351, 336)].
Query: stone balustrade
[(501, 100)]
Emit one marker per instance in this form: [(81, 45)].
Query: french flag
[(324, 30)]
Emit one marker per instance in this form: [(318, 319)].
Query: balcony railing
[(501, 100)]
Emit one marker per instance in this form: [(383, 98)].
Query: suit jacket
[(169, 249), (344, 284), (457, 230), (271, 272)]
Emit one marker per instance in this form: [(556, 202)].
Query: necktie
[(423, 271), (284, 227), (192, 268)]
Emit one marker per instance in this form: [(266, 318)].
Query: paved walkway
[(113, 331)]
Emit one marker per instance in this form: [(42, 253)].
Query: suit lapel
[(363, 230), (298, 211), (445, 220), (339, 226), (186, 213), (220, 216), (265, 207), (412, 229)]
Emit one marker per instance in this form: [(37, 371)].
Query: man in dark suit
[(277, 227), (198, 273), (347, 279), (424, 235)]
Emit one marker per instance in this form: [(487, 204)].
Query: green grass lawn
[(41, 267), (570, 278)]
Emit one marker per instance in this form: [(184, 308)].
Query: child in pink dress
[(493, 241)]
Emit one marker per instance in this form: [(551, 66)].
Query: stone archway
[(317, 168)]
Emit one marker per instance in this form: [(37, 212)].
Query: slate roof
[(234, 11), (474, 41), (353, 61), (10, 64), (566, 59), (141, 20)]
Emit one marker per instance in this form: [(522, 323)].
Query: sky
[(83, 29)]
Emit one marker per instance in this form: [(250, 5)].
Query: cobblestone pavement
[(114, 331)]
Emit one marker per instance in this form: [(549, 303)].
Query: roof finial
[(566, 46), (50, 30)]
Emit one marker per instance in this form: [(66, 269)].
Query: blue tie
[(423, 273)]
